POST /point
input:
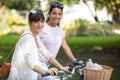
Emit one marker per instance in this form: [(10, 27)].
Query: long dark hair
[(54, 5)]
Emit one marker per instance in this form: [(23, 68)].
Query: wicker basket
[(104, 74)]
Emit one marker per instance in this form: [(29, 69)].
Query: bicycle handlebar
[(73, 65), (47, 74)]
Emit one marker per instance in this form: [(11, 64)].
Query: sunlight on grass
[(99, 48), (0, 57)]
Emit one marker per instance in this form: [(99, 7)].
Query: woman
[(25, 61), (52, 34)]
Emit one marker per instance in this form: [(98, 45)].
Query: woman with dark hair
[(52, 34), (25, 61)]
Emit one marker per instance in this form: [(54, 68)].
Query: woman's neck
[(34, 33), (51, 24)]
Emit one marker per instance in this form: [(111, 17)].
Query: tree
[(94, 15), (113, 6), (18, 4)]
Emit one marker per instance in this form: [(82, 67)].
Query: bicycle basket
[(104, 74)]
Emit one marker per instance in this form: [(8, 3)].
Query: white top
[(43, 54), (52, 38), (25, 57)]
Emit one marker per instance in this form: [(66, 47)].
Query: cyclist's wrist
[(74, 59), (61, 67)]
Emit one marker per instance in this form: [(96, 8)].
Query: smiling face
[(36, 26), (36, 21), (55, 16)]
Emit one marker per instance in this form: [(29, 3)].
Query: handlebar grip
[(70, 69), (47, 74)]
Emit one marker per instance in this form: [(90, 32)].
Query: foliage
[(18, 4), (11, 21), (112, 6), (4, 28), (81, 27)]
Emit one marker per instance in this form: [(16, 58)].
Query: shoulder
[(27, 36), (59, 28)]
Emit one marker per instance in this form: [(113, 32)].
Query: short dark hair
[(36, 15)]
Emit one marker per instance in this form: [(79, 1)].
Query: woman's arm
[(37, 69), (58, 65), (51, 71), (49, 56), (67, 50)]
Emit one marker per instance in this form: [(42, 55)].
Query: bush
[(81, 27), (11, 21)]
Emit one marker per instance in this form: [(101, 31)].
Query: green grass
[(7, 42), (103, 50), (108, 42)]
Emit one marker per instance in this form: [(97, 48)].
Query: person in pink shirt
[(52, 35)]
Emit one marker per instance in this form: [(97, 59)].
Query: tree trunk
[(116, 15)]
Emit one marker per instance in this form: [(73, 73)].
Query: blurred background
[(80, 17), (92, 29)]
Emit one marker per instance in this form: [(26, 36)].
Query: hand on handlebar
[(66, 68), (52, 71), (69, 68), (81, 63)]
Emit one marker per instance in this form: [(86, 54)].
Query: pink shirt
[(52, 38)]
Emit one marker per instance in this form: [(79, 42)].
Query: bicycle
[(76, 67)]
